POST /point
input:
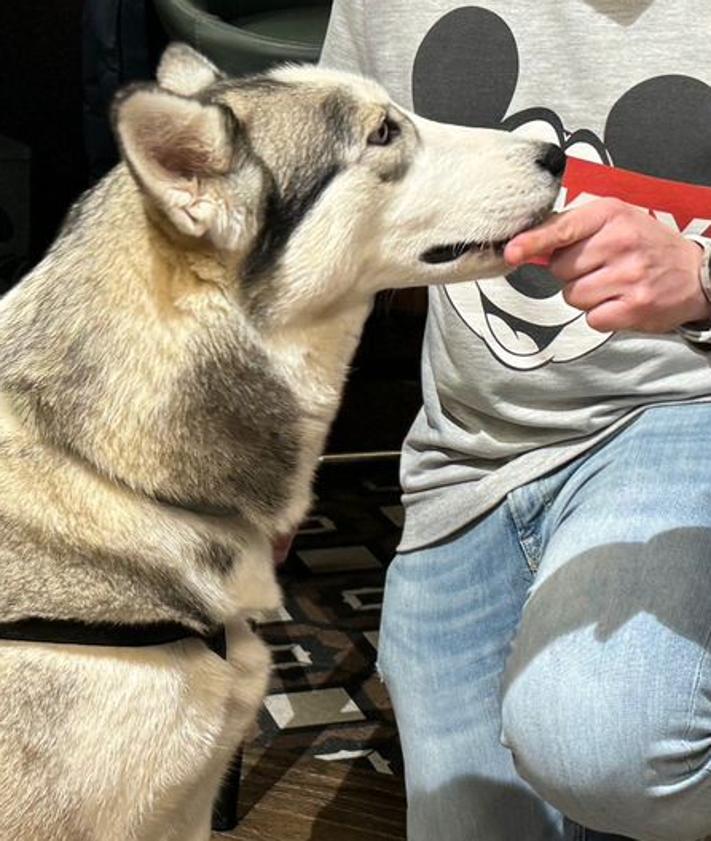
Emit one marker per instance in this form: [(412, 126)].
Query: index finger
[(560, 231)]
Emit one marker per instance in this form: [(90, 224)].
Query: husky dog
[(168, 374)]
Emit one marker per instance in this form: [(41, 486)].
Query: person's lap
[(607, 696), (446, 627)]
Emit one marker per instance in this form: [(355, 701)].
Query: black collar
[(100, 633)]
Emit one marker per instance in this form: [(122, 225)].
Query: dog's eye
[(385, 133)]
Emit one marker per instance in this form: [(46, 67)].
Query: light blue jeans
[(553, 659)]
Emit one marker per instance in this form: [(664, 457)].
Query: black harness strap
[(73, 632)]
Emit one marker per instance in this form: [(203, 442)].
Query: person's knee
[(606, 759)]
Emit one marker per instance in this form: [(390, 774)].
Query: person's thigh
[(607, 698), (450, 612)]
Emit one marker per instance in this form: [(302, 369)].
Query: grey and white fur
[(168, 374)]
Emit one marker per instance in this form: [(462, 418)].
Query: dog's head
[(314, 181)]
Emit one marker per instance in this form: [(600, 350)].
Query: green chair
[(248, 36)]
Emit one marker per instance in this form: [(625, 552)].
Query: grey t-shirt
[(515, 382)]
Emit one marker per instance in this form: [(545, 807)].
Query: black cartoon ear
[(183, 70), (466, 69), (662, 127), (174, 147)]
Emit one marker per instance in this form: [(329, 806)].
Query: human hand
[(625, 269)]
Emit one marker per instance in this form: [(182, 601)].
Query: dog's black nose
[(552, 159)]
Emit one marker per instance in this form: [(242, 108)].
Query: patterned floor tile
[(317, 524), (318, 706), (376, 759), (267, 617), (394, 513), (364, 598), (326, 698), (339, 559)]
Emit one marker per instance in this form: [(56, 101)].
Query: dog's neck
[(146, 364)]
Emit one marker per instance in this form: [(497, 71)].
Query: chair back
[(234, 9)]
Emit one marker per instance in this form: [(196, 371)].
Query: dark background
[(41, 105)]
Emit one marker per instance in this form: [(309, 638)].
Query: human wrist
[(701, 262), (698, 328), (702, 272)]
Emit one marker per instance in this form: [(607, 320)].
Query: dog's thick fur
[(168, 374)]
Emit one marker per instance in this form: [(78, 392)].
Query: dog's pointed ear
[(183, 70), (177, 149)]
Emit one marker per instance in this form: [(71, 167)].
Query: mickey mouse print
[(643, 136), (514, 382)]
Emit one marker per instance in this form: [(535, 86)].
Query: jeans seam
[(692, 702), (532, 560)]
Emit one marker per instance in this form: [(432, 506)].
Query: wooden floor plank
[(291, 799)]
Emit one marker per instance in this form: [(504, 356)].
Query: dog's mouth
[(450, 252), (456, 250)]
